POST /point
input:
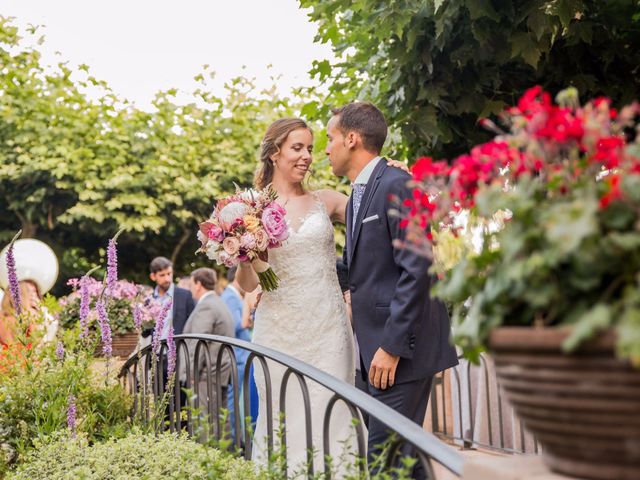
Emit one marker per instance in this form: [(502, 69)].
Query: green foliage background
[(435, 66), (77, 162)]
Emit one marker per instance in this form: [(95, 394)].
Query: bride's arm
[(247, 277), (335, 203)]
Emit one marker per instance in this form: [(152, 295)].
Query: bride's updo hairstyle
[(275, 136)]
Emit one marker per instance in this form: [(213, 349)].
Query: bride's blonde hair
[(274, 137)]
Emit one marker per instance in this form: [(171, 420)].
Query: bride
[(306, 316)]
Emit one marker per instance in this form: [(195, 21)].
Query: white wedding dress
[(306, 318)]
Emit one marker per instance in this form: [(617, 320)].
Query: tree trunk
[(176, 250), (28, 228)]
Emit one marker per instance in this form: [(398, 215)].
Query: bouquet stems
[(267, 277), (268, 280)]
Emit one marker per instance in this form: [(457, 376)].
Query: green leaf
[(481, 8), (568, 223), (595, 320), (538, 23)]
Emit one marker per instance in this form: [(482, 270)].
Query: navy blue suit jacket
[(390, 299), (183, 305)]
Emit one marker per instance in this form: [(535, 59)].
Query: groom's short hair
[(365, 119)]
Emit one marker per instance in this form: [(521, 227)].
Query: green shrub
[(139, 456), (34, 404)]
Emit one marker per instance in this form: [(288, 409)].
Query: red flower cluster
[(561, 146), (547, 121), (609, 150)]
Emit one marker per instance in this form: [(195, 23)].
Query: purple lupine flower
[(71, 414), (14, 286), (171, 355), (105, 328), (84, 306), (137, 316), (60, 351), (112, 267), (157, 331)]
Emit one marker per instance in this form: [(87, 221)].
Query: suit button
[(352, 288)]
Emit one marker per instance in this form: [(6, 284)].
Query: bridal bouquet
[(242, 228)]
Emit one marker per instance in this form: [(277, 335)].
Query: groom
[(402, 333)]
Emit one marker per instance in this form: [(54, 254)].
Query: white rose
[(213, 251), (232, 212)]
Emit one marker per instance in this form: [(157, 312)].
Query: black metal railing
[(467, 408), (136, 375)]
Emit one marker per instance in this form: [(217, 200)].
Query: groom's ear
[(352, 139)]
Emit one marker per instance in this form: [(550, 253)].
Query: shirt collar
[(156, 293), (206, 294), (365, 173)]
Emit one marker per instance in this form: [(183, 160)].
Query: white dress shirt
[(365, 173)]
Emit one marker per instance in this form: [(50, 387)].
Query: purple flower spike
[(14, 286), (171, 356), (84, 307), (105, 328), (157, 331), (60, 351), (137, 316), (112, 266), (71, 415)]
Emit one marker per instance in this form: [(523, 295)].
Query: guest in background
[(35, 316), (233, 297), (210, 316), (10, 330), (222, 284), (184, 282), (161, 273), (251, 300)]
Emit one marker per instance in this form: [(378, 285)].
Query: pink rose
[(215, 233), (247, 241), (212, 231), (274, 223), (262, 240), (231, 245), (227, 260)]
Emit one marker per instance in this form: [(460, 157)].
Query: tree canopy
[(436, 66), (78, 162)]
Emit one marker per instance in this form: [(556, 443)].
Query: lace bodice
[(308, 299)]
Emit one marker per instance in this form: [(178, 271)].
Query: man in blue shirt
[(233, 297), (161, 273)]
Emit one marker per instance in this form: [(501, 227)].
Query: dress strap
[(319, 201)]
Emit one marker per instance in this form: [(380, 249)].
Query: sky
[(142, 46)]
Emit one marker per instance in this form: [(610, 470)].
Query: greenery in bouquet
[(122, 301), (543, 221)]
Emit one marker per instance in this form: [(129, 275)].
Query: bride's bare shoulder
[(334, 202), (330, 197)]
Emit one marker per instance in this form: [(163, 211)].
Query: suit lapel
[(369, 192), (349, 217)]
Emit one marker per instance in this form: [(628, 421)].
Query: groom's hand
[(382, 373)]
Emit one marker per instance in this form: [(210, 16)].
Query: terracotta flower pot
[(584, 408), (122, 344)]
